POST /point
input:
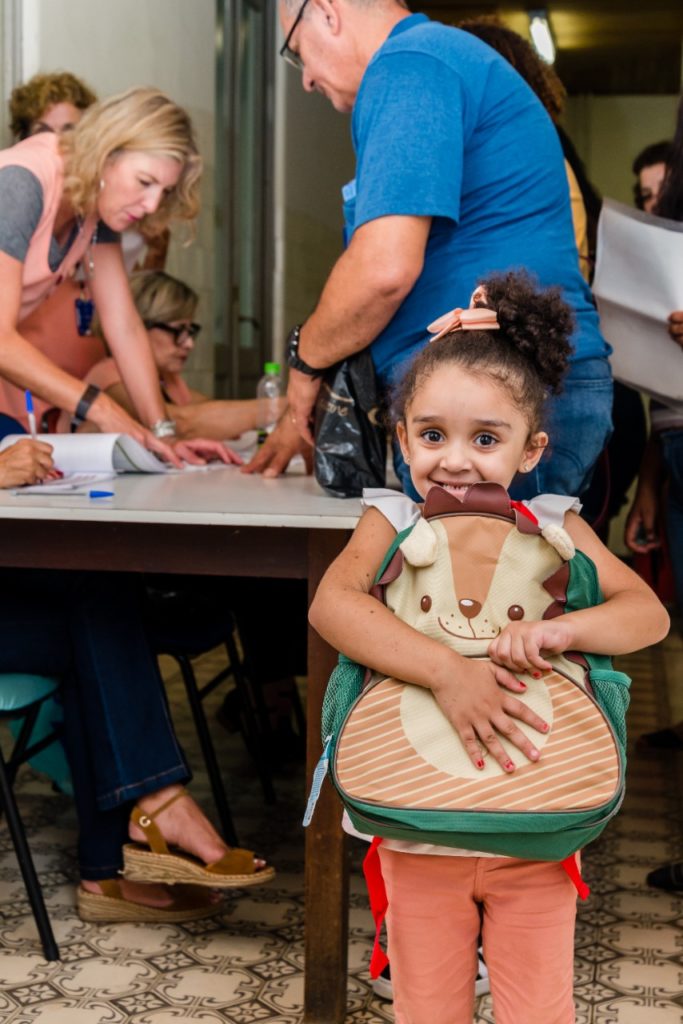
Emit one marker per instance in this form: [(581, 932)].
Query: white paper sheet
[(638, 283)]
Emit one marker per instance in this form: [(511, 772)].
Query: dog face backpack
[(459, 575)]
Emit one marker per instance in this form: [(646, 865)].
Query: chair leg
[(247, 700), (208, 752), (28, 871)]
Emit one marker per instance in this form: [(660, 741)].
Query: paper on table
[(638, 283), (71, 483), (96, 453)]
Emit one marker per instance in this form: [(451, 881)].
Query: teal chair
[(22, 699)]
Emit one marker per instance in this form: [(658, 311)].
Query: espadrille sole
[(143, 865), (101, 909)]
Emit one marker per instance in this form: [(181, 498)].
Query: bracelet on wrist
[(163, 428), (83, 407)]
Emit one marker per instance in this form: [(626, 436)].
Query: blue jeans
[(672, 452), (579, 423), (86, 628)]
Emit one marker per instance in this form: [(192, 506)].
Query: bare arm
[(219, 418), (474, 695), (631, 617), (367, 285), (213, 418)]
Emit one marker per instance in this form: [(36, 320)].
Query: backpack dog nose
[(470, 609)]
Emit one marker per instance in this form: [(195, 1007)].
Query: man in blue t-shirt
[(459, 173)]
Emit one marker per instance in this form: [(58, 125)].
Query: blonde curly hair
[(138, 120), (33, 98)]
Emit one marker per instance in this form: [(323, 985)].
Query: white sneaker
[(383, 988), (482, 985)]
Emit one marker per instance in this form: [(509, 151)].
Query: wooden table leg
[(327, 868)]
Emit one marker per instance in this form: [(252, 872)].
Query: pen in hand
[(30, 415)]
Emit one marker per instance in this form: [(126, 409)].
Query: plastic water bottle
[(269, 391)]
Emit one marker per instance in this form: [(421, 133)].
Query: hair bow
[(477, 319)]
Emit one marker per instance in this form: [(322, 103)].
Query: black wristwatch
[(292, 352)]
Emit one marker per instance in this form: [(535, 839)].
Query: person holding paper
[(663, 461), (131, 161)]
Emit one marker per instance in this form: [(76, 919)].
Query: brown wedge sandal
[(188, 904), (154, 862)]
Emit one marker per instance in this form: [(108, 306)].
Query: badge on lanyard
[(85, 309)]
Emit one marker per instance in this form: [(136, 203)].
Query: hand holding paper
[(638, 285)]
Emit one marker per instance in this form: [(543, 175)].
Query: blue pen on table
[(30, 415), (100, 494)]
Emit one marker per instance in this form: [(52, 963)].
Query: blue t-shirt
[(444, 127)]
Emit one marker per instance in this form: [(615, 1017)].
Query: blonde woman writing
[(131, 160)]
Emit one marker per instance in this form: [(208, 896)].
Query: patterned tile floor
[(246, 965)]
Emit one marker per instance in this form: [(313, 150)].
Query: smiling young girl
[(470, 410)]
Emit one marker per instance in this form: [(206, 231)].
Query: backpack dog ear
[(559, 539), (419, 547)]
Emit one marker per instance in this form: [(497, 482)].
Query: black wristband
[(83, 407), (294, 359)]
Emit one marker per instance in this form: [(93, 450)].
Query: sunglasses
[(291, 56), (180, 334)]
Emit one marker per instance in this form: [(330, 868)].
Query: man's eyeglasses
[(291, 56), (180, 334)]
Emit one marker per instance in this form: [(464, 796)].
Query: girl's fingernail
[(479, 763), (534, 754), (536, 675), (522, 684), (545, 727), (509, 766)]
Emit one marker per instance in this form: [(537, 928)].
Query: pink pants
[(437, 905)]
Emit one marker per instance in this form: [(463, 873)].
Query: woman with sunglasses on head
[(167, 308)]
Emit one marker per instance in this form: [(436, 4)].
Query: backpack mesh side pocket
[(343, 687), (611, 689)]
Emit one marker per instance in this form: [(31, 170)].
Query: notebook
[(96, 453)]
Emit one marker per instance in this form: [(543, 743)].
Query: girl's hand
[(25, 462), (475, 702), (518, 646), (199, 451)]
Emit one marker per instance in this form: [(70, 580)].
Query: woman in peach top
[(131, 160)]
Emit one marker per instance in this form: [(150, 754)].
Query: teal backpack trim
[(539, 836)]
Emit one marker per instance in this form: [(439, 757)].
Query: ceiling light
[(541, 36)]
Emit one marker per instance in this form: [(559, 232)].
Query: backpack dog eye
[(464, 571)]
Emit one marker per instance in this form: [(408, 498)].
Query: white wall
[(609, 131), (316, 160), (114, 44)]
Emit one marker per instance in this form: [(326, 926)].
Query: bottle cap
[(271, 368)]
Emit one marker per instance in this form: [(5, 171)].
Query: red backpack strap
[(372, 869), (571, 866)]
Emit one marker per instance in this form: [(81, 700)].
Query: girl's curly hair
[(528, 356)]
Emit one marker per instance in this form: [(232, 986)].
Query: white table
[(219, 522)]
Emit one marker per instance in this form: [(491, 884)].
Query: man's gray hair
[(293, 6)]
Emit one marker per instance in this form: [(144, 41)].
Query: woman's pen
[(30, 415)]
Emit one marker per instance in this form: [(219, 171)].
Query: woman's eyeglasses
[(180, 333)]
